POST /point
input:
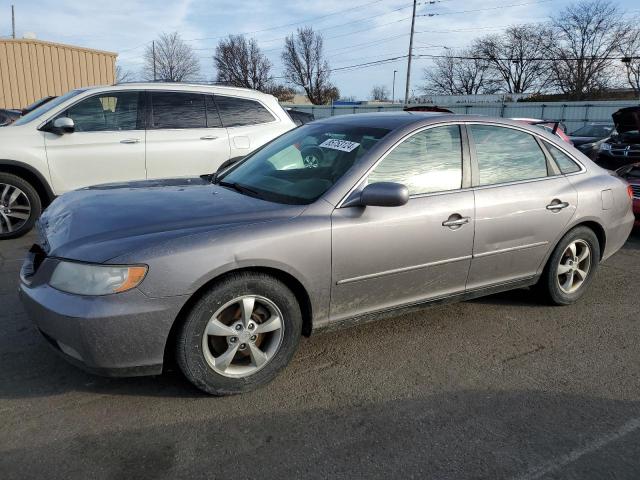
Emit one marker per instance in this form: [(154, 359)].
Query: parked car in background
[(8, 116), (401, 210), (299, 117), (631, 173), (37, 103), (555, 127), (126, 132), (426, 108), (623, 146)]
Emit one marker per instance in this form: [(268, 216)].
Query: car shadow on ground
[(452, 435)]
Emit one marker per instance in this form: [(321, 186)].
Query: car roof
[(182, 86)]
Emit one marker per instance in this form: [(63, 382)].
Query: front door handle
[(208, 137), (557, 205), (130, 140), (455, 221)]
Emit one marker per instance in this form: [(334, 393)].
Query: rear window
[(238, 112)]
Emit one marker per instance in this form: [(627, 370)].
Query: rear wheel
[(571, 267), (20, 206), (240, 334)]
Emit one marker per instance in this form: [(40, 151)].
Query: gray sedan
[(342, 220)]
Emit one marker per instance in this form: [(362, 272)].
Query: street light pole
[(413, 22), (393, 89), (13, 22)]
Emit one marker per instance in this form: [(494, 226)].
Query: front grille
[(622, 150), (636, 191)]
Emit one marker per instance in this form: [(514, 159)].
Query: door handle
[(455, 221), (557, 205), (130, 140), (208, 137)]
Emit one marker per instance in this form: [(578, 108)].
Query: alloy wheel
[(15, 208), (242, 336), (574, 266)]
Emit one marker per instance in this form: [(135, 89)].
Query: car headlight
[(86, 279), (605, 146)]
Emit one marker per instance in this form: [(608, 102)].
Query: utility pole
[(413, 23), (13, 22), (153, 54), (393, 89)]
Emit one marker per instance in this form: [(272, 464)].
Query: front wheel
[(20, 206), (571, 267), (240, 334)]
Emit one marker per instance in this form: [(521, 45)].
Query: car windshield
[(598, 131), (301, 165), (42, 109)]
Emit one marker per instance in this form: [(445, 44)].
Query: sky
[(355, 31)]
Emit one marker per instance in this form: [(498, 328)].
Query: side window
[(178, 110), (429, 161), (507, 155), (565, 163), (111, 111), (213, 118), (236, 112)]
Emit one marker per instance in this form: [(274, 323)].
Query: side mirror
[(382, 194), (63, 125)]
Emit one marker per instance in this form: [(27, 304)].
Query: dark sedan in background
[(587, 139), (623, 146)]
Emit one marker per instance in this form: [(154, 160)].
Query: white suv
[(126, 132)]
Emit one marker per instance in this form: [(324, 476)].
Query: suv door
[(185, 137), (106, 146), (382, 256), (523, 203)]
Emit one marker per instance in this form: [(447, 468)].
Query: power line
[(500, 7)]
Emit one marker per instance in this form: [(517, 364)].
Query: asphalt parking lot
[(500, 387)]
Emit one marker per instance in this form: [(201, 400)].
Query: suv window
[(178, 110), (507, 155), (236, 112), (429, 161), (564, 161), (110, 111)]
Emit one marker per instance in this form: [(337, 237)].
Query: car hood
[(582, 140), (98, 223), (627, 119)]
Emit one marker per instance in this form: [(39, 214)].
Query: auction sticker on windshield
[(342, 145)]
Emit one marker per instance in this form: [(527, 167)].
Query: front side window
[(172, 110), (110, 111), (426, 162), (507, 155), (238, 112), (565, 163), (301, 165)]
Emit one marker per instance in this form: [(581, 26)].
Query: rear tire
[(224, 351), (20, 206), (571, 267)]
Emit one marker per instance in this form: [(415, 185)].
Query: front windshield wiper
[(238, 187), (213, 177)]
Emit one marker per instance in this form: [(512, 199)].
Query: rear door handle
[(208, 137), (130, 140), (557, 205), (455, 221)]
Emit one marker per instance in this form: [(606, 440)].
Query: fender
[(46, 188)]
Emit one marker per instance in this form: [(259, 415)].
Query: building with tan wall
[(31, 69)]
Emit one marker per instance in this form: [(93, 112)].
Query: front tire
[(20, 206), (240, 334), (571, 267)]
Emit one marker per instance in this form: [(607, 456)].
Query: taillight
[(630, 191)]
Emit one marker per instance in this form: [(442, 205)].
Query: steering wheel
[(312, 156)]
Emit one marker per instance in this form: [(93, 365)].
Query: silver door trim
[(402, 270), (509, 249)]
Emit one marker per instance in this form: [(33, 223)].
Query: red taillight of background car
[(630, 191)]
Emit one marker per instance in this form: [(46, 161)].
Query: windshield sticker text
[(342, 145)]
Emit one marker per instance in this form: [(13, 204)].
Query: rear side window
[(429, 161), (507, 155), (178, 110), (565, 163), (237, 112)]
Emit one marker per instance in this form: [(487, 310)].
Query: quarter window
[(429, 161), (237, 112), (108, 112), (507, 155), (565, 163), (178, 110)]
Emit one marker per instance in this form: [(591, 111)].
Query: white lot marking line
[(542, 470)]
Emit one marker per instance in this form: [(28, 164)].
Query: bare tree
[(515, 57), (122, 75), (585, 37), (239, 62), (306, 67), (459, 73), (171, 59), (380, 93), (281, 92), (630, 50)]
